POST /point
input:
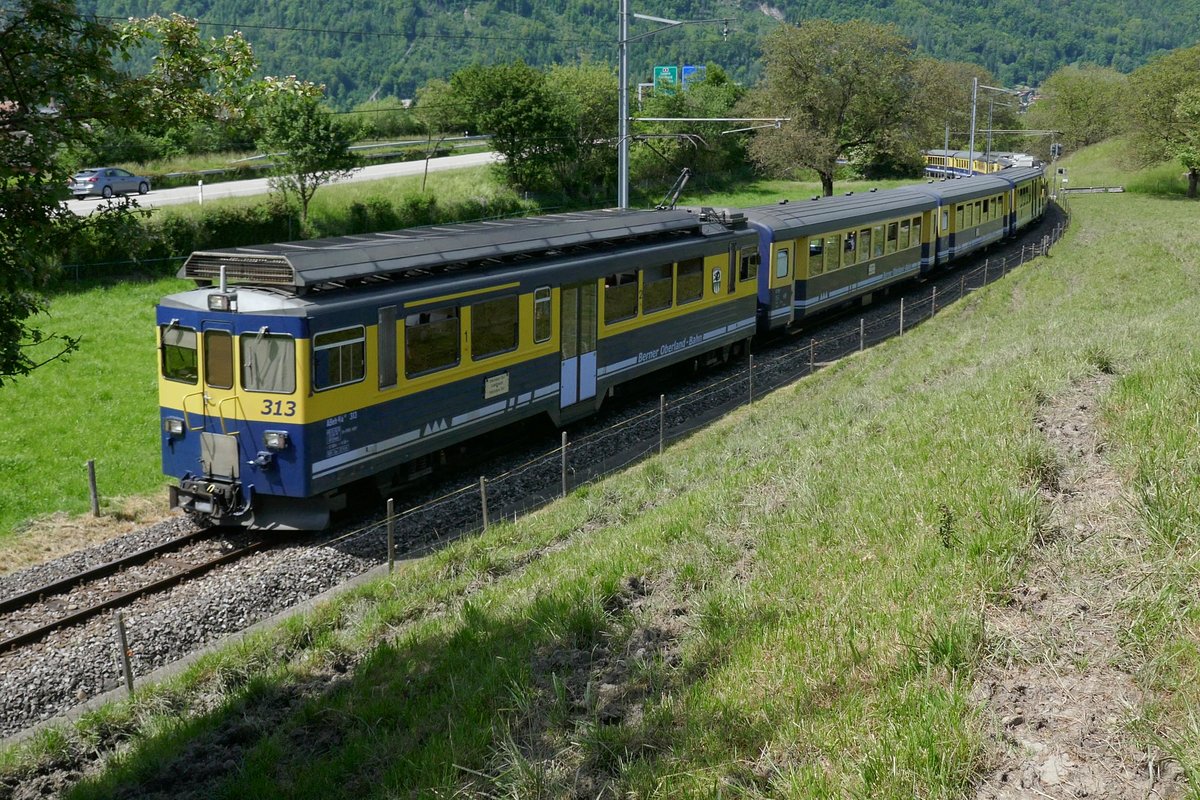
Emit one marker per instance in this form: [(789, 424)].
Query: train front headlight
[(275, 440), (173, 426), (222, 301)]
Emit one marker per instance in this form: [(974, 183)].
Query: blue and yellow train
[(296, 371)]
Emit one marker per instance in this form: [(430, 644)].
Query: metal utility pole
[(623, 89), (971, 148), (623, 109)]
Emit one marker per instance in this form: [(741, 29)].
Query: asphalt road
[(192, 194)]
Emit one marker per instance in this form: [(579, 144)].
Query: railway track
[(39, 680), (32, 615)]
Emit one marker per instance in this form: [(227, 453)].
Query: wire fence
[(555, 473)]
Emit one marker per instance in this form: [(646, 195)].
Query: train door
[(218, 441), (579, 315)]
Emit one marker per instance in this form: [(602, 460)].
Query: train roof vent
[(261, 269)]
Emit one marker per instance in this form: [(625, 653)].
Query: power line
[(378, 34)]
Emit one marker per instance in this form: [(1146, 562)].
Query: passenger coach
[(294, 370)]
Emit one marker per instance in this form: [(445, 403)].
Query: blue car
[(107, 181)]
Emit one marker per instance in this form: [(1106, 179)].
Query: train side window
[(431, 340), (339, 357), (892, 232), (833, 252), (960, 215), (542, 314), (658, 284), (945, 220), (179, 354), (864, 244), (386, 336), (877, 240), (218, 359), (916, 232), (620, 297), (689, 283), (748, 268), (987, 208), (494, 326), (849, 243), (268, 362), (816, 255), (905, 227), (978, 212)]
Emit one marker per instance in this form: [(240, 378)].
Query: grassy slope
[(809, 575)]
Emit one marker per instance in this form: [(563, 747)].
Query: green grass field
[(100, 404), (788, 604)]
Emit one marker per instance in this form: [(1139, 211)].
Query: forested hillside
[(365, 48)]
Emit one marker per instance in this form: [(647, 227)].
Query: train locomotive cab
[(230, 408)]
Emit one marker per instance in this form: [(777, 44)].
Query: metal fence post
[(933, 303), (751, 379), (901, 316), (483, 500), (861, 335), (812, 343), (985, 270), (95, 494), (391, 534), (123, 642), (564, 463), (662, 421)]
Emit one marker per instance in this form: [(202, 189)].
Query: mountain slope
[(361, 48)]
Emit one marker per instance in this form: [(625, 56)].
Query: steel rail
[(35, 634), (100, 571)]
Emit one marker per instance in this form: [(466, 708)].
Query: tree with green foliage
[(664, 149), (514, 103), (193, 92), (945, 89), (58, 81), (436, 112), (843, 85), (1164, 116), (307, 146), (1084, 104), (59, 89), (584, 97)]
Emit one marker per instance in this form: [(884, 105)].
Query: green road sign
[(666, 79)]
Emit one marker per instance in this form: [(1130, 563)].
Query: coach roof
[(830, 213), (305, 265)]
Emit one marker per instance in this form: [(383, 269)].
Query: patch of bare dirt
[(47, 538), (1058, 688)]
